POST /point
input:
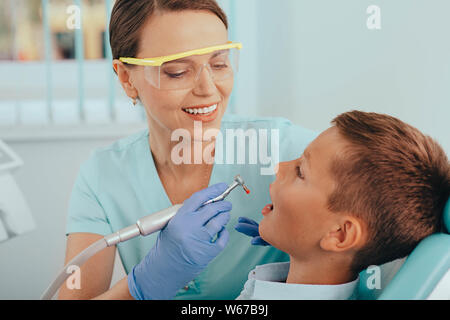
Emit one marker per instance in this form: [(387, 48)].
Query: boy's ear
[(345, 235), (124, 77)]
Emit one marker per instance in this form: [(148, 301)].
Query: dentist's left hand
[(250, 228), (183, 248)]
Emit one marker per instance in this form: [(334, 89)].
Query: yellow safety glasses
[(183, 70)]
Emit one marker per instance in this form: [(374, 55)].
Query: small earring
[(134, 101)]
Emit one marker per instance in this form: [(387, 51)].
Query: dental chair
[(419, 274)]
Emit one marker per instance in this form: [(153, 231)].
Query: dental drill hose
[(143, 227), (77, 261)]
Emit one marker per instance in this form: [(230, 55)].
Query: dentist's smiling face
[(175, 32), (298, 217)]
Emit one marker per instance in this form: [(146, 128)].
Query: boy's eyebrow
[(307, 155)]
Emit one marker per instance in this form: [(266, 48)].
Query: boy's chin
[(265, 230)]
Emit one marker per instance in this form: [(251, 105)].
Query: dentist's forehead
[(169, 33)]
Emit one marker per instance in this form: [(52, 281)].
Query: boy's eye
[(299, 172)]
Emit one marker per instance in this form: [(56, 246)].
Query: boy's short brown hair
[(394, 178)]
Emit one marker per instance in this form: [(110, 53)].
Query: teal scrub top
[(119, 184)]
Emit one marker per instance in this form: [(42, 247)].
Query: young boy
[(365, 192)]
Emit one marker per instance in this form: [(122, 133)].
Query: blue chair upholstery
[(420, 273)]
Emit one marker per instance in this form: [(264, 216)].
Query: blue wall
[(311, 60)]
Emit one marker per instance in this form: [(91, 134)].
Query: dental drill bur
[(238, 181)]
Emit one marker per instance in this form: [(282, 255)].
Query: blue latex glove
[(183, 248), (250, 228)]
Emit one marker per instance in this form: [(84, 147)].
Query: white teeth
[(201, 110)]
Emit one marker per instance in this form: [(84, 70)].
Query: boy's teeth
[(201, 110)]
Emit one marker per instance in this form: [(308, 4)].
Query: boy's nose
[(280, 168)]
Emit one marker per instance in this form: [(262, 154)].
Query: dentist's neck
[(162, 147)]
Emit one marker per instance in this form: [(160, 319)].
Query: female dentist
[(174, 58)]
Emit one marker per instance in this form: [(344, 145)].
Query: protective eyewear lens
[(185, 73)]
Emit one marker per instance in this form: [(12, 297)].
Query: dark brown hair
[(129, 16), (394, 178)]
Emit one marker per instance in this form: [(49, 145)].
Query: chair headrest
[(447, 216)]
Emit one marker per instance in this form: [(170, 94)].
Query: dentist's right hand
[(183, 248)]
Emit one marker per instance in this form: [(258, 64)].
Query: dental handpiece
[(143, 227), (156, 221), (238, 181)]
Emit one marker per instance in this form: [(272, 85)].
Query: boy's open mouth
[(267, 209)]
